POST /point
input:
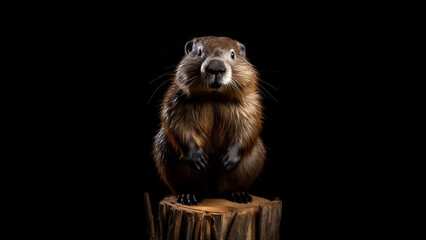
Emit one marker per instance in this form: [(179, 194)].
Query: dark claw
[(180, 198), (206, 163), (249, 199), (239, 197), (194, 199), (245, 197), (189, 199), (186, 199), (200, 166), (234, 197)]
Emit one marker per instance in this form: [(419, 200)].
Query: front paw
[(197, 159), (230, 160)]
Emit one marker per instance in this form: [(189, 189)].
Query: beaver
[(211, 117)]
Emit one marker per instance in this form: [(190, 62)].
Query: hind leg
[(187, 185), (182, 178), (234, 185), (184, 182)]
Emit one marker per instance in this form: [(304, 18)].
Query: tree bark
[(219, 219), (149, 218)]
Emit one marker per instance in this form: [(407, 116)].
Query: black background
[(312, 61)]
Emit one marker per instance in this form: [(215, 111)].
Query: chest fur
[(221, 125), (213, 125)]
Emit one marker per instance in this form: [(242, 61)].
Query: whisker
[(162, 75), (271, 71), (273, 87), (166, 81), (269, 94), (235, 85), (262, 92), (191, 81), (171, 66)]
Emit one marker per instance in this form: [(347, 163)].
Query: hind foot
[(239, 197), (189, 199)]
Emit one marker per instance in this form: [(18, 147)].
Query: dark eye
[(232, 55), (199, 52)]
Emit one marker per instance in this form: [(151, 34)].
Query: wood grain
[(219, 219)]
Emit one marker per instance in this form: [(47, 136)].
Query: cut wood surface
[(217, 218)]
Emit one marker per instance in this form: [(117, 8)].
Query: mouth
[(215, 81), (215, 85)]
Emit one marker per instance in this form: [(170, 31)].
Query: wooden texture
[(149, 218), (219, 219)]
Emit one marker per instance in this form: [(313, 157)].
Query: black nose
[(215, 67)]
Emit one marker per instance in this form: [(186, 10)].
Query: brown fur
[(214, 120)]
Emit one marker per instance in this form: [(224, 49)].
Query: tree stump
[(220, 219)]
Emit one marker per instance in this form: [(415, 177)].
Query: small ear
[(242, 49), (188, 47)]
